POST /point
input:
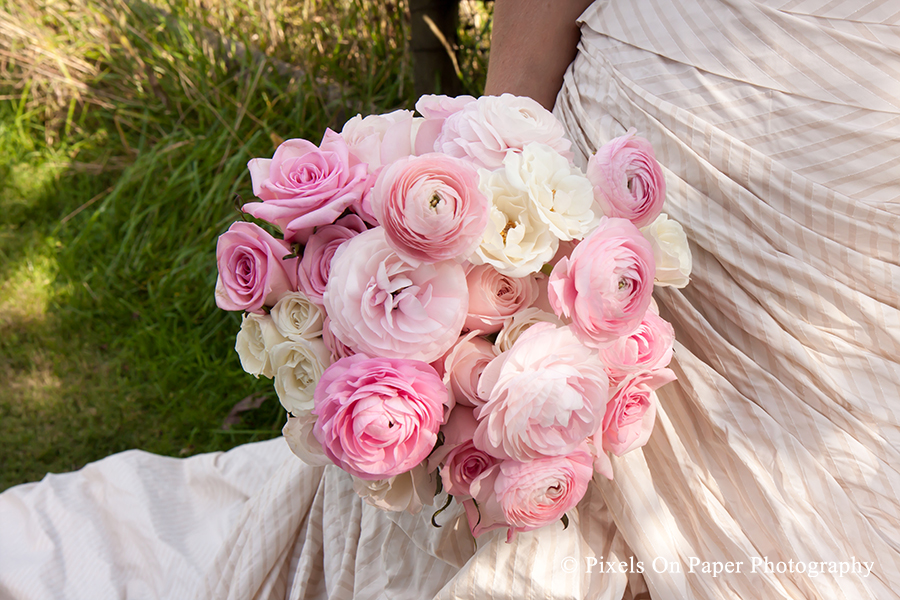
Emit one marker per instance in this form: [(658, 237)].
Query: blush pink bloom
[(320, 248), (463, 365), (382, 305), (461, 462), (430, 207), (486, 129), (252, 273), (528, 495), (631, 412), (545, 396), (303, 186), (337, 348), (605, 286), (378, 417), (436, 109), (647, 349), (628, 181), (494, 297)]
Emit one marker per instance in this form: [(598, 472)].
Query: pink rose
[(430, 207), (252, 273), (463, 366), (631, 412), (485, 130), (628, 181), (647, 349), (302, 186), (378, 140), (378, 417), (381, 305), (528, 495), (545, 396), (461, 461), (320, 248), (494, 297), (606, 285)]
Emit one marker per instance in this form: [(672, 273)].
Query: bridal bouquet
[(449, 303)]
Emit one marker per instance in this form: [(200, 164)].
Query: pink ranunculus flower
[(495, 297), (463, 366), (545, 396), (485, 130), (252, 273), (320, 248), (378, 417), (524, 496), (605, 286), (628, 181), (382, 305), (337, 348), (303, 186), (631, 412), (647, 349), (430, 207)]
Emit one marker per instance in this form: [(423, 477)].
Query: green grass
[(125, 128)]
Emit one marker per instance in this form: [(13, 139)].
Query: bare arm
[(532, 43)]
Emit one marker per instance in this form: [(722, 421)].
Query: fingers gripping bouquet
[(451, 303)]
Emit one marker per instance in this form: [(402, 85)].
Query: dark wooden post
[(434, 70)]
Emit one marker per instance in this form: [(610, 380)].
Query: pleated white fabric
[(777, 124)]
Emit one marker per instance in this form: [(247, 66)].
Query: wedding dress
[(777, 123)]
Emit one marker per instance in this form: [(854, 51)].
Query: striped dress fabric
[(777, 125)]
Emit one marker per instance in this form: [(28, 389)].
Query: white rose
[(297, 317), (408, 491), (380, 139), (492, 126), (670, 251), (258, 335), (298, 366), (562, 194), (298, 433), (516, 325), (516, 241)]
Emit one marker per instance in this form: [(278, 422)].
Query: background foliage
[(125, 128)]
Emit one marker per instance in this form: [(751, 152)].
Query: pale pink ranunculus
[(381, 139), (304, 186), (545, 396), (430, 207), (495, 297), (436, 109), (628, 181), (319, 250), (647, 349), (337, 348), (631, 412), (524, 496), (252, 273), (605, 286), (486, 129), (378, 417), (382, 305), (463, 365)]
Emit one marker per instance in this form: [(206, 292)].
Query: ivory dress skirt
[(779, 445)]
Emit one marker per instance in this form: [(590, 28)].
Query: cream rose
[(298, 366), (258, 335), (409, 491), (670, 251), (298, 433), (517, 324), (296, 317)]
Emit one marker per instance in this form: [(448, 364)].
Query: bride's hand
[(532, 43)]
